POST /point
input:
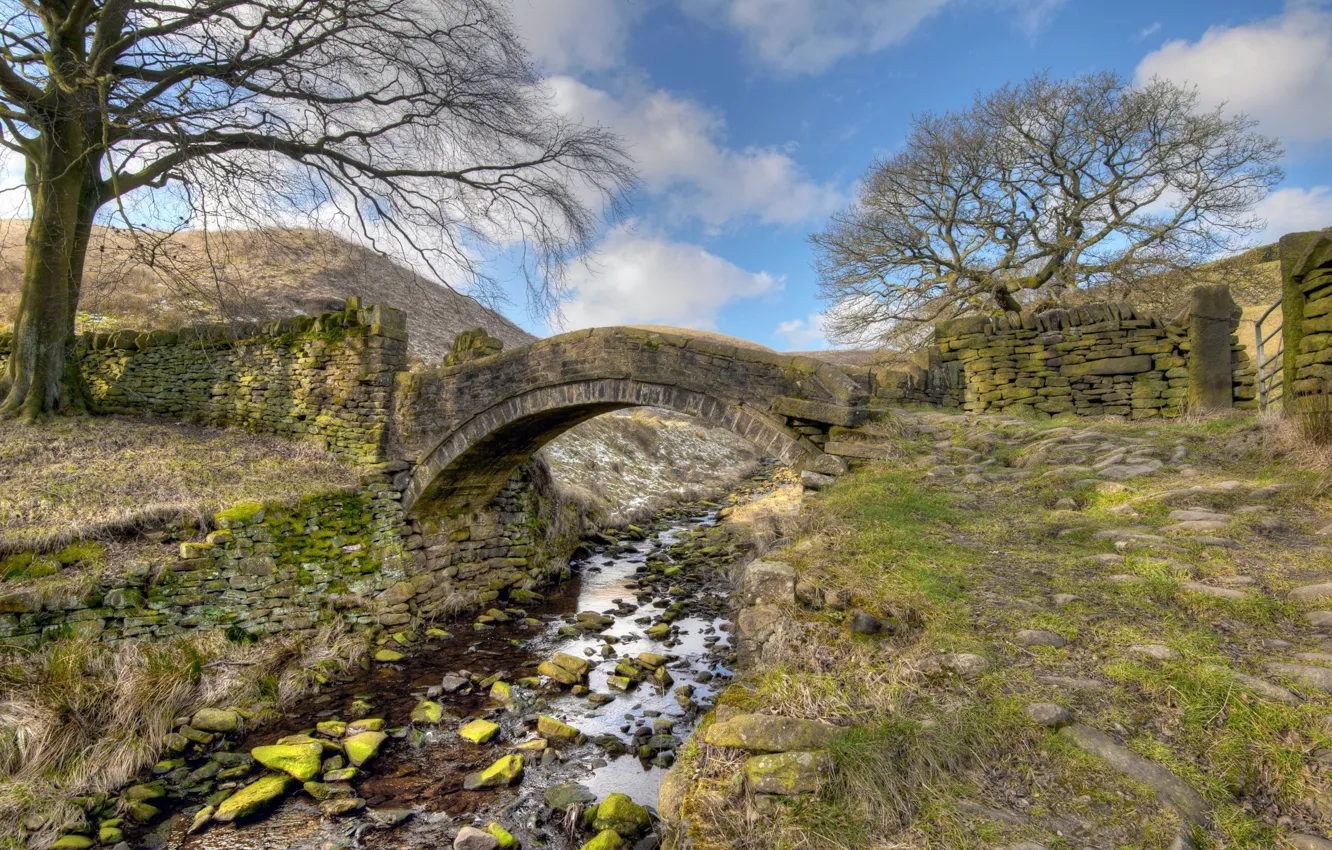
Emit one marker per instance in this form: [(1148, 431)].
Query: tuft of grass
[(80, 717)]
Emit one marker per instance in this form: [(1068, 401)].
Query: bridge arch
[(471, 464)]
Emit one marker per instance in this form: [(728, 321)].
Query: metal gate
[(1270, 359)]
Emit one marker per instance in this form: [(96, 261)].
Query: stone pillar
[(1213, 315)]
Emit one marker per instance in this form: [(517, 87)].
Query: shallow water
[(423, 772)]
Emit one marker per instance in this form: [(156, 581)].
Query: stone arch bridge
[(466, 428)]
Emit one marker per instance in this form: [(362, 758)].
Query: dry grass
[(78, 717), (90, 478)]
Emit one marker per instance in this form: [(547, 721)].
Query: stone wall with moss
[(328, 378), (264, 569), (1306, 271), (1099, 359)]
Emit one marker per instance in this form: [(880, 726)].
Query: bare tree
[(417, 121), (1037, 190)]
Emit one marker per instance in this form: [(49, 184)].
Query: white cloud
[(651, 280), (1278, 70), (804, 334), (677, 147), (809, 36), (1294, 209), (576, 35), (1149, 31)]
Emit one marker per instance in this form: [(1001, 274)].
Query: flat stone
[(767, 583), (215, 720), (788, 773), (255, 798), (556, 730), (1304, 841), (1197, 526), (562, 796), (1040, 637), (767, 733), (1128, 535), (1048, 714), (1264, 688), (965, 664), (1072, 683), (1318, 678), (1321, 619), (363, 746), (1105, 559), (479, 731), (1311, 592), (1062, 599), (300, 761), (1184, 798), (1195, 515), (1130, 470), (1209, 590), (1156, 651), (503, 773)]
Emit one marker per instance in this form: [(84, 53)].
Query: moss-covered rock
[(769, 734), (73, 842), (301, 761), (363, 746), (215, 720), (427, 713), (621, 814), (788, 774), (503, 773), (254, 799), (556, 730), (503, 836), (479, 731), (606, 840)]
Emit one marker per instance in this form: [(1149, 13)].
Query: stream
[(671, 568)]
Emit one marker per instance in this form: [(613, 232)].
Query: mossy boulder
[(606, 840), (239, 516), (254, 799), (768, 734), (215, 720), (388, 656), (363, 746), (73, 842), (427, 712), (621, 814), (501, 774), (367, 724), (556, 730), (479, 731), (502, 693), (788, 774), (300, 761), (560, 674)]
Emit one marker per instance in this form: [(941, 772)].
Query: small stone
[(556, 730), (505, 838), (339, 806), (1048, 714), (562, 796), (1311, 593), (965, 664), (1215, 592), (1154, 651), (862, 623), (363, 746), (427, 713), (1062, 599), (73, 842), (215, 720), (471, 838), (253, 799), (1321, 619), (607, 840), (1066, 504), (1040, 637), (501, 774), (388, 656), (479, 731)]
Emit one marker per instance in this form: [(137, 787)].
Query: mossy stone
[(300, 761), (502, 693), (363, 746), (503, 773), (238, 516), (479, 731), (389, 656), (556, 730), (619, 813), (788, 774), (505, 838), (607, 839), (255, 798), (215, 720), (427, 712), (73, 842)]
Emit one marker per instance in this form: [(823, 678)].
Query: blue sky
[(751, 121)]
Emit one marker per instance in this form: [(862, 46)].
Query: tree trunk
[(42, 376)]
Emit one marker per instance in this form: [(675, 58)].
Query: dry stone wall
[(1099, 359), (328, 378), (350, 556), (1306, 270)]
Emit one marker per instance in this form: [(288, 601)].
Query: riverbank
[(1081, 634)]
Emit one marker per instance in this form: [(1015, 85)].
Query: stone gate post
[(1212, 317)]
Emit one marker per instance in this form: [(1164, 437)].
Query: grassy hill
[(251, 274)]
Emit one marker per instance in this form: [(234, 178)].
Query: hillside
[(251, 274)]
